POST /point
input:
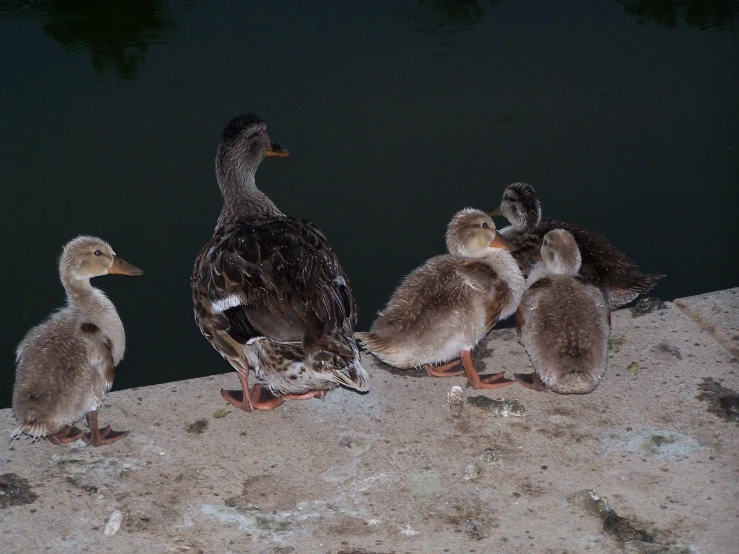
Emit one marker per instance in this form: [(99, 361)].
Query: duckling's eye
[(485, 225), (506, 197), (261, 131), (98, 253)]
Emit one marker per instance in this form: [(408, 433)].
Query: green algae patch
[(722, 402), (504, 407), (15, 491), (220, 413), (647, 306)]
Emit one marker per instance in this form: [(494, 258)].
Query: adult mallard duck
[(268, 292), (443, 308), (563, 321), (603, 264), (67, 364)]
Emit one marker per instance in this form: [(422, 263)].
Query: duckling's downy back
[(564, 322)]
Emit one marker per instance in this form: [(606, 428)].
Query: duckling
[(65, 365), (268, 292), (603, 265), (563, 321), (442, 309)]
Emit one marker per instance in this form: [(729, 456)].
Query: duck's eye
[(506, 197), (98, 253), (261, 131), (485, 225)]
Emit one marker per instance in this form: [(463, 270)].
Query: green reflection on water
[(117, 35), (696, 14)]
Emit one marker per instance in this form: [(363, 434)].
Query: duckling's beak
[(500, 242), (536, 256), (277, 150), (122, 267), (495, 211)]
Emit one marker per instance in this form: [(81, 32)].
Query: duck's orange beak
[(500, 242), (277, 150), (122, 267)]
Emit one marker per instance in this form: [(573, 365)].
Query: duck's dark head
[(519, 206), (244, 144)]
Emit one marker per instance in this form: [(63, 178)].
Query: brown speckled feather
[(271, 293)]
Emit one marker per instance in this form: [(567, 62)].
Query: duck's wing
[(276, 279)]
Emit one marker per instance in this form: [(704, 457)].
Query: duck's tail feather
[(647, 282), (353, 376), (35, 430)]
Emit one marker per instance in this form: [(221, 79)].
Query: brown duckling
[(603, 264), (66, 364), (268, 292), (563, 321), (442, 309)]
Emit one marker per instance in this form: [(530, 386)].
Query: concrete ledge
[(395, 471)]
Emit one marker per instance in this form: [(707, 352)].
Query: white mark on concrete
[(652, 442), (408, 531), (114, 523)]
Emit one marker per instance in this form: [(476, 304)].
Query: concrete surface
[(395, 471)]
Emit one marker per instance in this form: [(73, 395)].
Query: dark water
[(623, 115)]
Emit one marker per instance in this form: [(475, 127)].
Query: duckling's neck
[(241, 197), (81, 294), (507, 269), (96, 308)]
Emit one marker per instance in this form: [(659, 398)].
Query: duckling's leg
[(531, 381), (68, 434), (443, 370), (99, 437), (494, 381)]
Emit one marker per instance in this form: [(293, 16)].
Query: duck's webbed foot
[(531, 381), (320, 394), (99, 437), (240, 399), (66, 435), (446, 370), (493, 381), (262, 399)]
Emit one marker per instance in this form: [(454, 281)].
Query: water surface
[(397, 113)]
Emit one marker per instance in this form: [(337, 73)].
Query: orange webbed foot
[(494, 381), (67, 435), (446, 370)]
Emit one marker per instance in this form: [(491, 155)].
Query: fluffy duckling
[(442, 309), (603, 265), (563, 321), (65, 366), (268, 292)]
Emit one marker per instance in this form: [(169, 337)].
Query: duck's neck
[(241, 197)]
